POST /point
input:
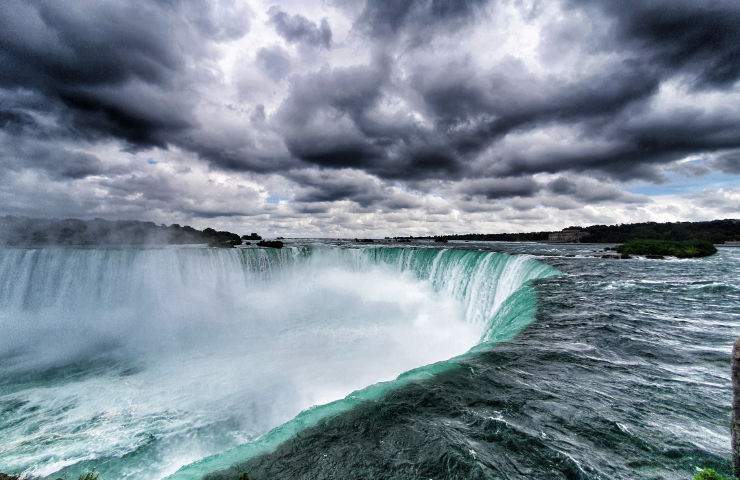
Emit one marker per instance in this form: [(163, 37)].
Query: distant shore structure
[(567, 235)]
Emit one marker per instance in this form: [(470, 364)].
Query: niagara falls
[(201, 349), (178, 361), (369, 240)]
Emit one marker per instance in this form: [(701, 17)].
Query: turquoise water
[(144, 363), (624, 374), (477, 361)]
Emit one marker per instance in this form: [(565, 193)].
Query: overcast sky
[(344, 118)]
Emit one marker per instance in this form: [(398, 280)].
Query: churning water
[(137, 362), (624, 374)]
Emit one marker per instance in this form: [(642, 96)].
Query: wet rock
[(270, 243)]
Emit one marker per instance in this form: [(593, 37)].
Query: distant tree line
[(23, 231), (715, 231), (499, 237)]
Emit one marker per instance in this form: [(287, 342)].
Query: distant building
[(566, 236)]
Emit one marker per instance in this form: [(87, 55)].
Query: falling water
[(139, 361)]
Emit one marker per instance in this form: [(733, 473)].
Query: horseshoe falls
[(137, 362), (327, 360)]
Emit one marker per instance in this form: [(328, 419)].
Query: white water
[(146, 360)]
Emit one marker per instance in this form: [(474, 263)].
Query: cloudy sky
[(344, 118)]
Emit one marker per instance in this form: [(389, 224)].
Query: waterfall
[(140, 361)]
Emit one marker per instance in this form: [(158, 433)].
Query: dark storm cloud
[(74, 54), (609, 107), (308, 117), (497, 188), (102, 70), (313, 208), (522, 204), (69, 164), (57, 162), (590, 191), (473, 109), (15, 121), (640, 144), (726, 162), (51, 42), (562, 185), (489, 109), (338, 152), (299, 29), (201, 213), (419, 160), (27, 143), (701, 38), (412, 107), (331, 186), (384, 17), (332, 192), (688, 169), (394, 150), (328, 120), (631, 155), (112, 66), (229, 152), (364, 191), (400, 202)]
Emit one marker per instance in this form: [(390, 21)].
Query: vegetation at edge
[(686, 249), (89, 476), (710, 474)]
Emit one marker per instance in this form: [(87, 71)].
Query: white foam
[(215, 356)]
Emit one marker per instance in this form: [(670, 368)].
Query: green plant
[(687, 249), (89, 476), (710, 474)]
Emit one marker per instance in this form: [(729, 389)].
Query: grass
[(686, 249)]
